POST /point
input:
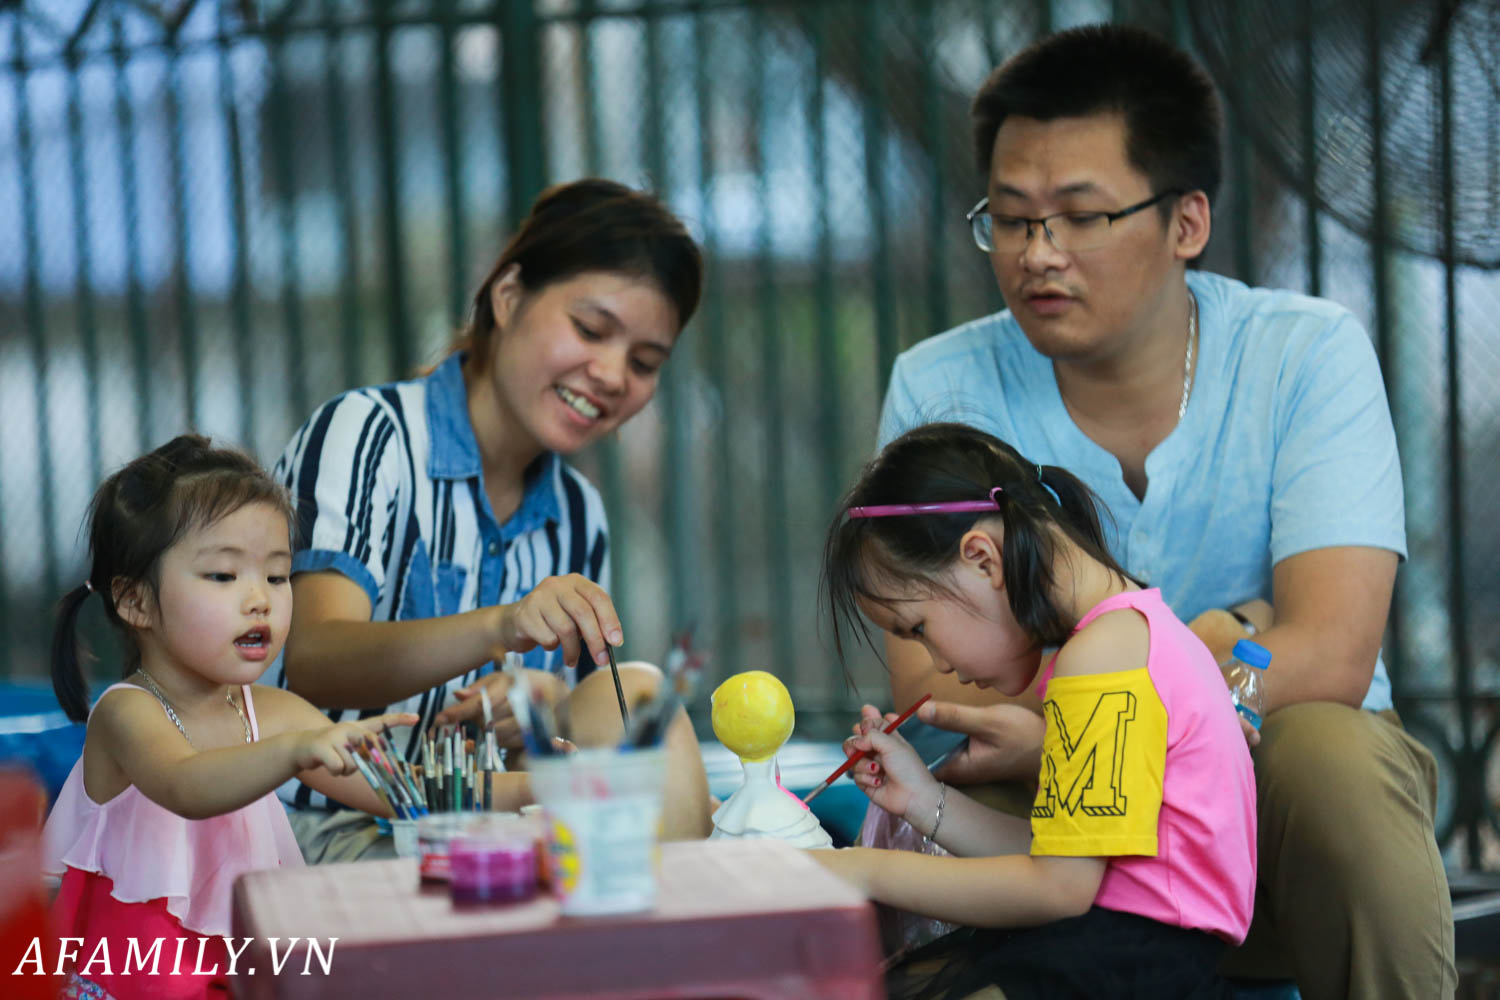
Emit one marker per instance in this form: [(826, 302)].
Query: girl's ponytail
[(1078, 503), (67, 669)]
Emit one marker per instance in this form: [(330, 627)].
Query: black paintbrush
[(614, 669)]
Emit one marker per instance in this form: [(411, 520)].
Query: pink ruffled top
[(152, 853)]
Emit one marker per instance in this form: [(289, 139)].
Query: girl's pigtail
[(67, 669), (1083, 515), (1075, 499), (1027, 563)]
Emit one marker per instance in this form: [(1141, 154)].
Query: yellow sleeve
[(1103, 754)]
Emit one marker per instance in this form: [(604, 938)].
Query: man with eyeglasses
[(1242, 441)]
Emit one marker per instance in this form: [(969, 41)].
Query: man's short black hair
[(1170, 109)]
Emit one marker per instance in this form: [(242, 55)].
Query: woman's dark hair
[(586, 226), (878, 558), (136, 515), (1171, 111)]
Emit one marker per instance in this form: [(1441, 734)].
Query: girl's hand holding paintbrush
[(869, 719), (329, 748), (891, 773)]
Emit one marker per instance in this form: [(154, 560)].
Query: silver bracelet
[(938, 821)]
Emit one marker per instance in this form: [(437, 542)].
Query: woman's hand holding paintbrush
[(571, 613)]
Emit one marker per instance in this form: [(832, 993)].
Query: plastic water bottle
[(1245, 672)]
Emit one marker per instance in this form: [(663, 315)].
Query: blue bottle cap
[(1252, 653)]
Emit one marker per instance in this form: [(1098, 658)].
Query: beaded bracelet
[(942, 799)]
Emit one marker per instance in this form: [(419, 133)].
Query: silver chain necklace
[(161, 697), (1187, 361)]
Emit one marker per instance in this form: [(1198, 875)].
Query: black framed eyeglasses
[(1070, 232)]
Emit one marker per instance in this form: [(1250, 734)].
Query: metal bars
[(348, 233)]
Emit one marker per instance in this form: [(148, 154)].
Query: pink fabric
[(87, 908), (1203, 874), (151, 853)]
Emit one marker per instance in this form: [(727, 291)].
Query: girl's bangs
[(199, 501)]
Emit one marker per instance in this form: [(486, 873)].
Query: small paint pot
[(404, 833), (494, 862), (435, 835)]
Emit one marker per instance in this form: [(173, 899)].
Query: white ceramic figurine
[(753, 716)]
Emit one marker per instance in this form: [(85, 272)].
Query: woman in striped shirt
[(439, 527)]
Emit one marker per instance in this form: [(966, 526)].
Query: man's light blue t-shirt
[(1286, 445)]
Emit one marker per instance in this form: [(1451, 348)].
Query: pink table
[(746, 919)]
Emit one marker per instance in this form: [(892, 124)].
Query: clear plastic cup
[(603, 809)]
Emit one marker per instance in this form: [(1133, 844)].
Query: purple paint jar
[(494, 863)]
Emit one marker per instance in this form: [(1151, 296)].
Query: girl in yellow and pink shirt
[(1136, 867)]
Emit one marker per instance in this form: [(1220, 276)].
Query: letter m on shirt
[(1083, 768)]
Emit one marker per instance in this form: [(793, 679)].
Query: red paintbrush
[(861, 755)]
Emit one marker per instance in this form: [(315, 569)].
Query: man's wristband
[(1247, 624)]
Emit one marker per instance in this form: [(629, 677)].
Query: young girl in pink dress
[(174, 796)]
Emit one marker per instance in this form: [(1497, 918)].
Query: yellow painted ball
[(752, 714)]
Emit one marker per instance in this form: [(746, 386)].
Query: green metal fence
[(221, 213)]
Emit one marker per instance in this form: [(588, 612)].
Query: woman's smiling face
[(577, 358)]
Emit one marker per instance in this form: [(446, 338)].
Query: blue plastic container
[(35, 734)]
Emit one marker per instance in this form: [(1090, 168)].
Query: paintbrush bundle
[(457, 762), (682, 670), (390, 776), (491, 751), (535, 717), (453, 776)]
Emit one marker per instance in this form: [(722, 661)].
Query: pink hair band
[(946, 507)]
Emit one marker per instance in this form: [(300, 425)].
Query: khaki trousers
[(345, 835), (1351, 899)]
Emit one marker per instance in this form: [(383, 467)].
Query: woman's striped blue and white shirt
[(389, 492)]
